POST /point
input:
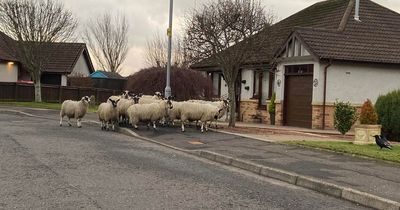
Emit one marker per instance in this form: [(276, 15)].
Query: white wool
[(74, 109), (124, 95), (175, 112), (147, 112), (123, 105), (107, 114), (148, 100), (192, 111)]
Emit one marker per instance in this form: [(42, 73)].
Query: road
[(44, 166)]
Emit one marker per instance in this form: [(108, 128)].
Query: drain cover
[(196, 142)]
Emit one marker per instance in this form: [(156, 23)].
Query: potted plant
[(368, 127), (271, 109)]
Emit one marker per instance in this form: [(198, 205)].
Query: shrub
[(271, 105), (368, 114), (344, 117), (388, 109), (185, 83)]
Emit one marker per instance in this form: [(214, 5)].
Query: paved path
[(44, 166), (374, 177)]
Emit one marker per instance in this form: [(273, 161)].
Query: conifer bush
[(388, 109), (368, 114)]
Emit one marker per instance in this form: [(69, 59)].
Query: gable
[(81, 67), (98, 74), (294, 47)]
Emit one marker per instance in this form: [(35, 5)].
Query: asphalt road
[(44, 166)]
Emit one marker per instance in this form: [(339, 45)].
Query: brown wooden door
[(298, 99)]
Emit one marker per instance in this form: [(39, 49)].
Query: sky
[(147, 17)]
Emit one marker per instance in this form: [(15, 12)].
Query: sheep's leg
[(183, 126), (79, 123), (206, 126), (61, 119), (69, 122), (202, 127), (102, 124), (154, 125), (113, 125)]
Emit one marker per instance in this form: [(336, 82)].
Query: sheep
[(222, 104), (123, 106), (148, 99), (191, 111), (148, 112), (125, 94), (108, 114), (175, 112), (74, 109)]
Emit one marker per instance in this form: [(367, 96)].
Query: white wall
[(247, 75), (8, 72), (63, 80), (81, 67), (356, 83), (224, 89)]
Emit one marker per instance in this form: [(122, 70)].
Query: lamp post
[(169, 33)]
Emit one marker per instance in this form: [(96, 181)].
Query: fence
[(51, 93)]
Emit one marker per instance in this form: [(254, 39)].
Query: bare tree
[(156, 52), (34, 25), (107, 39), (222, 32)]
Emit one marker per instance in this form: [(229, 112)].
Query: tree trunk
[(38, 90), (232, 104)]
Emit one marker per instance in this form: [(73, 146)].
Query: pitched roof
[(106, 74), (62, 57), (5, 44), (375, 39)]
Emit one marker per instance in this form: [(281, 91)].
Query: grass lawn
[(372, 151), (42, 105)]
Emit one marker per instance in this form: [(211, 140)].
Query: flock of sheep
[(131, 109)]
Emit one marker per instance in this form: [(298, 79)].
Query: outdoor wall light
[(10, 63), (315, 82)]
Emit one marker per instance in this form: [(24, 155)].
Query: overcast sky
[(147, 17)]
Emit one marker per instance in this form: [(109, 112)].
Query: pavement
[(370, 182)]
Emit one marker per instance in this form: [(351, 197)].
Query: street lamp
[(169, 33)]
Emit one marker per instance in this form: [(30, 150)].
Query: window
[(216, 81), (262, 89)]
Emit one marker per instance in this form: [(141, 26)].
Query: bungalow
[(64, 59), (332, 50)]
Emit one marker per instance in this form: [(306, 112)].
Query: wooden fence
[(51, 93)]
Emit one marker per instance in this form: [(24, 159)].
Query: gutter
[(324, 100)]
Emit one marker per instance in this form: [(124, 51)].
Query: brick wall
[(278, 114), (250, 113), (329, 115)]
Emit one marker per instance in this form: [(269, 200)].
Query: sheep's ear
[(117, 100)]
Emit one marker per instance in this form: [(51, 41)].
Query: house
[(319, 55), (108, 80), (64, 59)]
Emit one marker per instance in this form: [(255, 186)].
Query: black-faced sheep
[(108, 114)]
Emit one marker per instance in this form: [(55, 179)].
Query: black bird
[(382, 142)]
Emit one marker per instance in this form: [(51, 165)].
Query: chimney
[(357, 11)]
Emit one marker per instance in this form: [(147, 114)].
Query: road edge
[(345, 193)]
